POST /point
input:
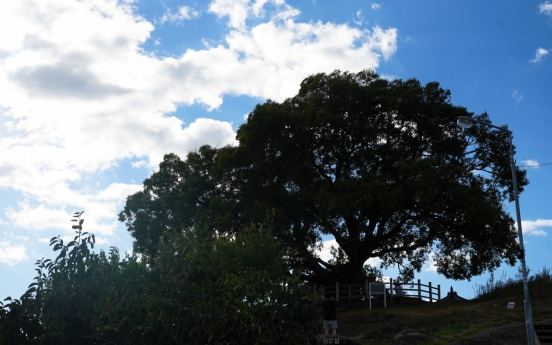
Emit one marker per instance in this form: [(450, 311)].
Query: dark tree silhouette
[(381, 166)]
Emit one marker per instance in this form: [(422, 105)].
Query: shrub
[(199, 289), (539, 283)]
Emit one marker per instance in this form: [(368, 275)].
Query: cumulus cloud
[(118, 191), (99, 217), (78, 93), (546, 8), (12, 254), (183, 13), (238, 11), (535, 227), (539, 55), (376, 6), (38, 218)]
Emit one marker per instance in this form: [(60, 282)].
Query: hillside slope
[(447, 322)]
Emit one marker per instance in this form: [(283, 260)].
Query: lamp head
[(464, 122)]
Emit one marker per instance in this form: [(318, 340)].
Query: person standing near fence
[(399, 292), (398, 289), (329, 318)]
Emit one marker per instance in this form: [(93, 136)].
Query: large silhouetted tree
[(381, 166)]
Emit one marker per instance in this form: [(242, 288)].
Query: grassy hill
[(450, 321)]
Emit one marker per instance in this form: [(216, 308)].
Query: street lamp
[(466, 122)]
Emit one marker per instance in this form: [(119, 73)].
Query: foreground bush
[(199, 289)]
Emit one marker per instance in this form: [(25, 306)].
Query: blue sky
[(94, 92)]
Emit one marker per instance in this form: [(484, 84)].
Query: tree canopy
[(379, 165)]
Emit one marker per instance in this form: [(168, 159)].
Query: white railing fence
[(361, 291)]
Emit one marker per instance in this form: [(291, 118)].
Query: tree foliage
[(379, 165), (187, 297), (170, 198)]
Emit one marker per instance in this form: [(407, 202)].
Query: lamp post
[(466, 122)]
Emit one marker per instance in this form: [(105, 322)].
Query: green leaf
[(31, 290)]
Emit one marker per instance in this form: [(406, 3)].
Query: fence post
[(391, 288), (419, 290), (370, 293), (366, 288), (337, 291), (438, 292), (350, 293), (430, 293)]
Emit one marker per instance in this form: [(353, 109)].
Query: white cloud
[(430, 266), (17, 237), (118, 191), (389, 77), (530, 163), (139, 164), (38, 218), (539, 55), (534, 227), (517, 96), (385, 41), (358, 19), (546, 8), (12, 254), (183, 13), (99, 216), (238, 11), (325, 253), (78, 93), (375, 6), (101, 241)]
